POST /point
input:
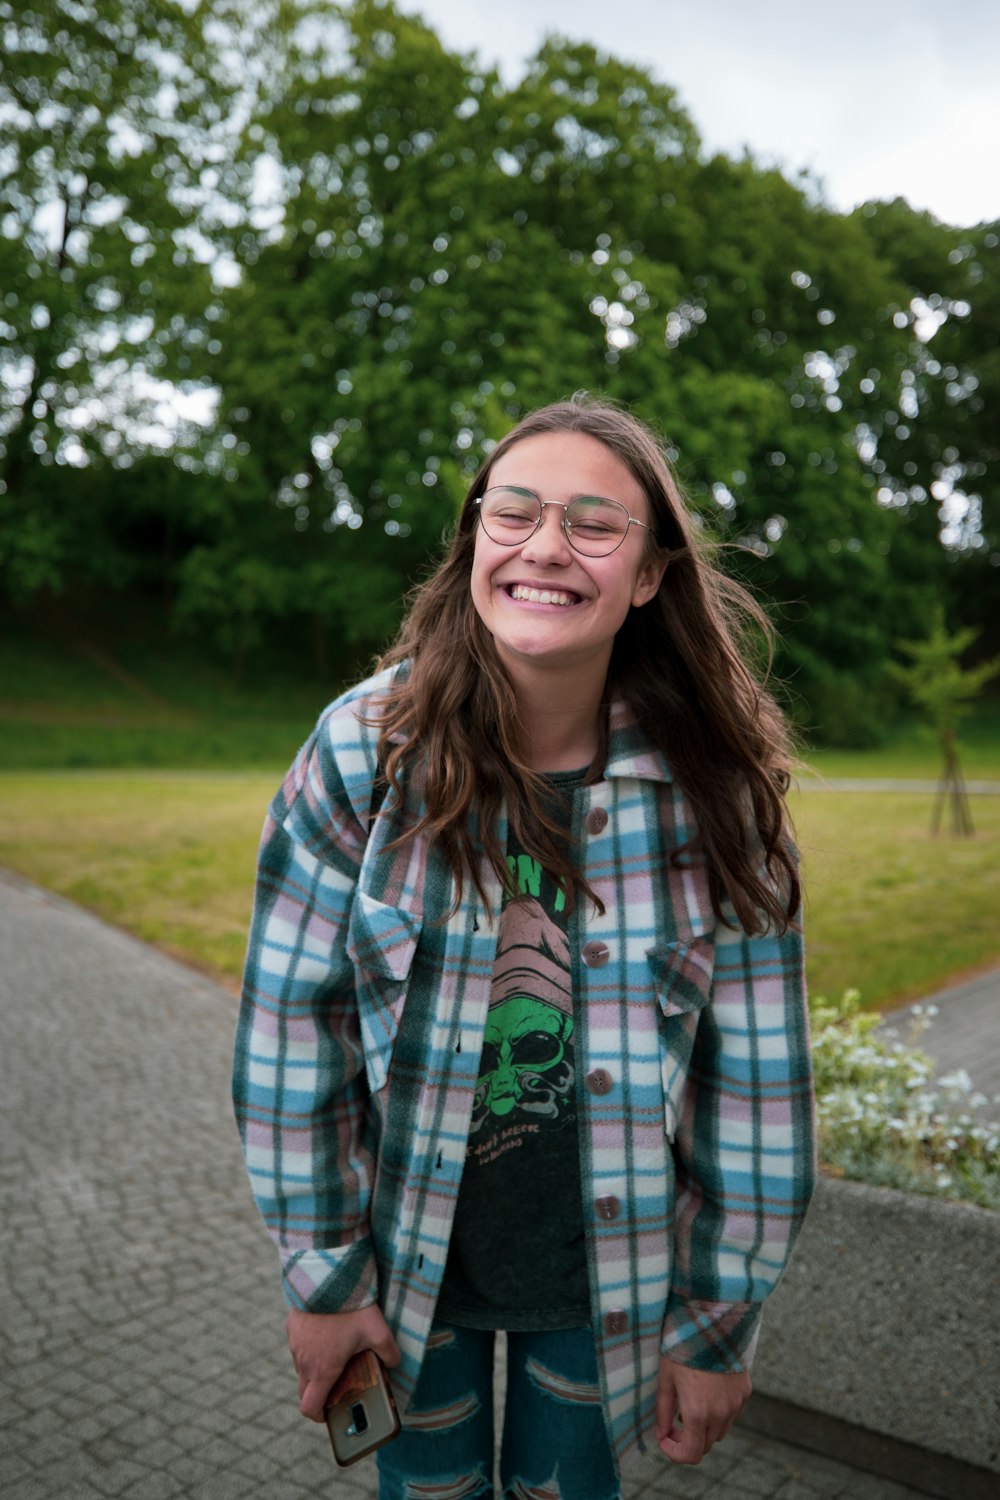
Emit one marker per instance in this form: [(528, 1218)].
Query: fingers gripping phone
[(360, 1412)]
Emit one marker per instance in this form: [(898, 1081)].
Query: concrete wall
[(888, 1318)]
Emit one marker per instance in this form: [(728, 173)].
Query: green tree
[(451, 252), (116, 125), (379, 255), (944, 690), (939, 446)]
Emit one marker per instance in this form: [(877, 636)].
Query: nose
[(549, 545)]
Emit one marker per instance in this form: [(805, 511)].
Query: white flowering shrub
[(885, 1119)]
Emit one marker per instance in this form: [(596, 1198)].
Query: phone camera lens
[(359, 1418)]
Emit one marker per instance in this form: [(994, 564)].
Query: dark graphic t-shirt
[(517, 1257)]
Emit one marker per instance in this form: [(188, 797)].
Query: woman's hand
[(695, 1408), (322, 1343)]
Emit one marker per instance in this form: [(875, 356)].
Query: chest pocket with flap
[(682, 974)]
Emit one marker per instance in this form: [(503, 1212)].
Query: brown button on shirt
[(599, 1081)]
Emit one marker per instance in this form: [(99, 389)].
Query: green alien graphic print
[(516, 1258), (526, 1071)]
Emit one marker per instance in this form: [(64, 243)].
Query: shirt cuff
[(330, 1281), (718, 1336)]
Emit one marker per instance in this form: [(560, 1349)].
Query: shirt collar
[(629, 751)]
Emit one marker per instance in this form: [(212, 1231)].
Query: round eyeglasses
[(594, 526)]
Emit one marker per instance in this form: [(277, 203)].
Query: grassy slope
[(80, 703)]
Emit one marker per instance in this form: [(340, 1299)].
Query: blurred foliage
[(935, 679), (376, 256)]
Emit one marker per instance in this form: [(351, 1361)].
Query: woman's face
[(544, 603)]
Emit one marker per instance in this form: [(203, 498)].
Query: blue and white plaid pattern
[(358, 1053)]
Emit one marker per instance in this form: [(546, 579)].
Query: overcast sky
[(879, 98)]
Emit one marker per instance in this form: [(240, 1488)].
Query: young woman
[(523, 1043)]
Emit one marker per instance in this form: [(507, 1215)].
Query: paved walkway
[(141, 1346), (962, 1037)]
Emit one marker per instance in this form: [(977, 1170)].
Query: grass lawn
[(93, 726), (913, 753), (890, 910), (170, 857)]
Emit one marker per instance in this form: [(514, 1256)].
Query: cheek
[(479, 581), (622, 588)]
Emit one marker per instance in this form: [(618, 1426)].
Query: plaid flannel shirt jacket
[(358, 1053)]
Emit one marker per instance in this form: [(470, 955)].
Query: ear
[(648, 580)]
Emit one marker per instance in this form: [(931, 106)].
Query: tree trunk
[(951, 789)]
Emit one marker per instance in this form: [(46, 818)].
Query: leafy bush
[(885, 1119)]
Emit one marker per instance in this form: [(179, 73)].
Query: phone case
[(361, 1413)]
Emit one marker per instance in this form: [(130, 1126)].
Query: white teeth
[(541, 596)]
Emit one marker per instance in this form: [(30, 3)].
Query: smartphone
[(361, 1414)]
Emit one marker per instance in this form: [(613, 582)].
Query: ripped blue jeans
[(554, 1444)]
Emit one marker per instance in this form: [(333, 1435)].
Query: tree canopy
[(371, 255)]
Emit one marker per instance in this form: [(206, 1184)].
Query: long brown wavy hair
[(681, 661)]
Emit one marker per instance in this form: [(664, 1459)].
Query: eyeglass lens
[(594, 526)]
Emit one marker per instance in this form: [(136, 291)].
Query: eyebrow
[(581, 494)]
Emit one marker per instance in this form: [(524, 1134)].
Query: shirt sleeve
[(744, 1150), (299, 1084)]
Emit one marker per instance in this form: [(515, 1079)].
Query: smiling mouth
[(542, 596)]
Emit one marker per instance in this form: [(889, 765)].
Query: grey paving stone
[(361, 1480), (163, 1455), (226, 1486), (28, 1489), (276, 1417), (795, 1489), (142, 1430), (71, 1408), (53, 1448), (248, 1407), (218, 1453), (873, 1487), (119, 1475), (108, 1449), (190, 1471), (155, 1486), (259, 1465), (825, 1475), (759, 1476), (36, 1423), (663, 1478), (287, 1489), (16, 1467), (208, 1421)]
